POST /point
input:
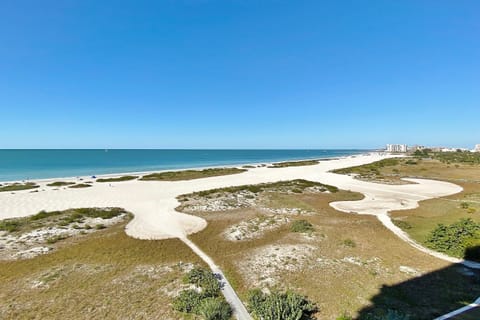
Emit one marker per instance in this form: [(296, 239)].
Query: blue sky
[(239, 74)]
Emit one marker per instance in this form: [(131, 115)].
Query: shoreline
[(140, 173), (154, 203)]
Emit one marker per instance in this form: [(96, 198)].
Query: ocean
[(26, 164)]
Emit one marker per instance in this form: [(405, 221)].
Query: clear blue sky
[(239, 74)]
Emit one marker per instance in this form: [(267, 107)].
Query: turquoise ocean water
[(25, 164)]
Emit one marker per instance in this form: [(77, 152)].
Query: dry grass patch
[(344, 267), (106, 275)]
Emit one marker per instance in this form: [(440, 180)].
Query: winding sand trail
[(153, 203)]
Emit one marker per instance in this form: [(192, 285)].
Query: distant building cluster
[(402, 148), (397, 148)]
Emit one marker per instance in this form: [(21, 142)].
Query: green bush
[(349, 243), (207, 301), (302, 226), (188, 301), (214, 309), (279, 306), (11, 225), (205, 280), (464, 205), (454, 239)]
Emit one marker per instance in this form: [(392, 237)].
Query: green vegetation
[(456, 238), (277, 305), (294, 164), (11, 225), (60, 184), (117, 179), (301, 226), (190, 174), (402, 224), (458, 157), (296, 186), (349, 243), (370, 171), (80, 185), (215, 309), (18, 186), (56, 238), (206, 302), (462, 157), (59, 218)]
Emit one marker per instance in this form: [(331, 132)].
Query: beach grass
[(102, 275), (18, 186), (80, 185), (117, 179), (45, 219), (294, 164), (190, 174), (60, 184)]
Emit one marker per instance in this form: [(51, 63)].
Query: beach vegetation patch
[(80, 185), (117, 179), (11, 225), (280, 305), (455, 239), (349, 243), (294, 163), (60, 184), (206, 299), (301, 226), (299, 185), (18, 186), (101, 265), (58, 218), (190, 174)]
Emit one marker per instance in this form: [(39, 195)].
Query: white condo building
[(477, 148), (397, 148)]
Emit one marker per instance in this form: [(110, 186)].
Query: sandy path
[(239, 310)]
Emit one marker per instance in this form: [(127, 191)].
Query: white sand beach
[(153, 203)]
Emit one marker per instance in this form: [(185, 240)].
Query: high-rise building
[(477, 148)]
